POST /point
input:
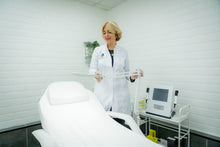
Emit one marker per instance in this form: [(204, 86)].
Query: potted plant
[(90, 47)]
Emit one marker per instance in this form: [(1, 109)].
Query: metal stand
[(174, 124)]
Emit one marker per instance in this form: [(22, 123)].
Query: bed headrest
[(66, 93)]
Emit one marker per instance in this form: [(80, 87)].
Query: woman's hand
[(141, 72), (98, 79), (134, 75)]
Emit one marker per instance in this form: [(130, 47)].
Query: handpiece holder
[(175, 102), (147, 96)]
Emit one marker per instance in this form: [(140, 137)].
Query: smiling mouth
[(107, 38)]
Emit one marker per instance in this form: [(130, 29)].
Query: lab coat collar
[(116, 46)]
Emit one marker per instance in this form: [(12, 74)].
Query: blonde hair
[(112, 27)]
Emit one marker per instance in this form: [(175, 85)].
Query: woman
[(113, 93)]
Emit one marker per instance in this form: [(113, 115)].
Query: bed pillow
[(66, 93)]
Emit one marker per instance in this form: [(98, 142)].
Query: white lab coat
[(111, 92)]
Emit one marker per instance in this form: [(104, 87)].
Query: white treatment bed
[(71, 116)]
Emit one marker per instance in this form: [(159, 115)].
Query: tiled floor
[(23, 138), (19, 138), (195, 140)]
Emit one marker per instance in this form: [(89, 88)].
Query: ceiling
[(104, 4)]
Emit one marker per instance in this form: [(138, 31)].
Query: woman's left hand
[(135, 76)]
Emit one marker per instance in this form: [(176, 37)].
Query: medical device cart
[(174, 124)]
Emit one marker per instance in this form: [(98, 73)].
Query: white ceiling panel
[(104, 4)]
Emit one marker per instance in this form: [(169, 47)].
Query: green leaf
[(90, 47)]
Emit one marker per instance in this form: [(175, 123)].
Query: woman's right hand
[(98, 79)]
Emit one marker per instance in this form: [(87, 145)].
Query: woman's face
[(109, 36)]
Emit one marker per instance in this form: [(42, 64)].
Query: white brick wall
[(40, 42), (177, 43)]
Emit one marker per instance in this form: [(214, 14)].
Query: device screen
[(160, 94)]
